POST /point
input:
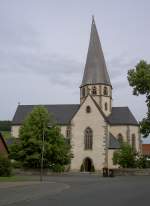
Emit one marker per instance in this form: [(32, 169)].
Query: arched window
[(120, 138), (88, 109), (106, 106), (94, 92), (133, 141), (83, 91), (88, 139), (105, 92)]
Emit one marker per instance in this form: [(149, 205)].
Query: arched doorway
[(87, 164)]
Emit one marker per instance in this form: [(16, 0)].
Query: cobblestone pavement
[(76, 190)]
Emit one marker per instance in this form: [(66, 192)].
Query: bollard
[(105, 172), (111, 173)]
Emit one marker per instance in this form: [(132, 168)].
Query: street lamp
[(42, 155)]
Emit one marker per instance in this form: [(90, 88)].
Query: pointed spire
[(95, 71)]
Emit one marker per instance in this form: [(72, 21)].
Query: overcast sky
[(43, 47)]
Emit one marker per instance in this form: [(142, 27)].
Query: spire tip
[(93, 21)]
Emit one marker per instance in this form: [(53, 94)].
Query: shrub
[(82, 168), (92, 168), (16, 164), (141, 162), (125, 156), (5, 166), (58, 168)]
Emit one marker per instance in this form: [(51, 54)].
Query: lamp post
[(42, 155)]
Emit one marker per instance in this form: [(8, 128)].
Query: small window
[(83, 91), (105, 91), (133, 141), (106, 106), (94, 92), (68, 132), (88, 109), (120, 138)]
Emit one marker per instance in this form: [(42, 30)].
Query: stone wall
[(132, 172)]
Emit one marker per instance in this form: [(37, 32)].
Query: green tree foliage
[(125, 156), (28, 149), (139, 79), (5, 166), (141, 161), (5, 125)]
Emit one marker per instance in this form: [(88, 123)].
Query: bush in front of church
[(125, 156), (58, 168)]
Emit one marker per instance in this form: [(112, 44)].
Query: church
[(94, 128)]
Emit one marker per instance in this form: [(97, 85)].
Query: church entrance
[(87, 164)]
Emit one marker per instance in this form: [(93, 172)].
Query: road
[(76, 190)]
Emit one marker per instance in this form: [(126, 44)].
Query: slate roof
[(121, 116), (61, 113), (113, 142), (95, 71), (64, 113)]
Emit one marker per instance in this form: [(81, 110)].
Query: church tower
[(96, 81)]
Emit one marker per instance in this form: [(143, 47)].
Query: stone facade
[(15, 131), (79, 123)]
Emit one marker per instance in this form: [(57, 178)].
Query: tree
[(139, 79), (5, 125), (28, 149), (125, 156), (5, 166)]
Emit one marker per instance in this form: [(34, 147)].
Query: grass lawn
[(19, 178)]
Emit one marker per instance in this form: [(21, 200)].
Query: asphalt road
[(76, 190)]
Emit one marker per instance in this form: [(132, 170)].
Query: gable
[(95, 113)]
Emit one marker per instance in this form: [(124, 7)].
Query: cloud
[(119, 65)]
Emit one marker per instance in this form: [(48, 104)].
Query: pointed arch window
[(105, 91), (120, 138), (94, 91), (106, 106), (88, 139), (133, 141), (83, 91)]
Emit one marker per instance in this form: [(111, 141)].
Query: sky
[(43, 48)]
